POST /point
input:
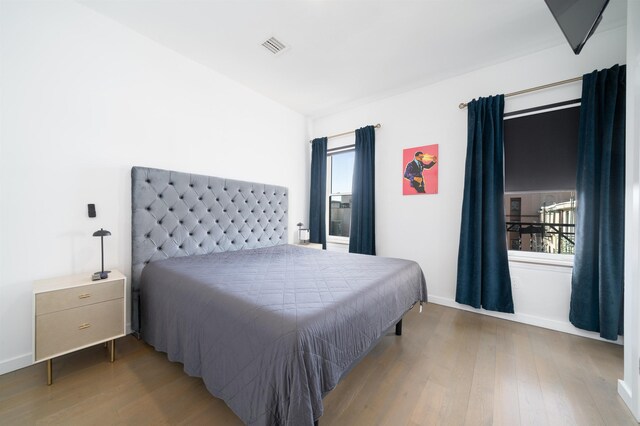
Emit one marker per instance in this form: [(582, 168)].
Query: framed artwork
[(420, 170)]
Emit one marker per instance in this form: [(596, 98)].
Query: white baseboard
[(625, 394), (565, 327), (16, 363)]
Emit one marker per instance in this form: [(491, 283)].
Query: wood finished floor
[(450, 367)]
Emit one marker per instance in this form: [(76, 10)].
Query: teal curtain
[(483, 267), (362, 238), (318, 192), (597, 284)]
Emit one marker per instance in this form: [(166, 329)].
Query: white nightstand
[(72, 313), (316, 246)]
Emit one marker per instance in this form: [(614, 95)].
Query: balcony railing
[(545, 237)]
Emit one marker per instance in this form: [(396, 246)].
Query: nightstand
[(316, 246), (72, 313)]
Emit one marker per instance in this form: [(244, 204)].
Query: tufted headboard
[(181, 214)]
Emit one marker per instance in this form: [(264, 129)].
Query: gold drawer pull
[(83, 326), (84, 295)]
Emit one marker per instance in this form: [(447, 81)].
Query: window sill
[(337, 240), (564, 260), (337, 247)]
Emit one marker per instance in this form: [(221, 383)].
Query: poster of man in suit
[(420, 170)]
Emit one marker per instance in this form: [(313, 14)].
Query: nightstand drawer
[(62, 331), (59, 300)]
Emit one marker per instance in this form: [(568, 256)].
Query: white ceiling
[(349, 51)]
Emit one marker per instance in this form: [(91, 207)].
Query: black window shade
[(541, 151)]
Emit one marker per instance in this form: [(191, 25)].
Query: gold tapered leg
[(49, 372), (113, 350)]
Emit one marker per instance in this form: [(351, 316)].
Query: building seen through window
[(541, 222)]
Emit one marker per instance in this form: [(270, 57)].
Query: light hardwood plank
[(480, 407), (506, 407), (553, 393), (531, 402)]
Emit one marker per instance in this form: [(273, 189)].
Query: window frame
[(334, 238), (539, 258)]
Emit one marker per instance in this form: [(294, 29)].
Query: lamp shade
[(101, 233)]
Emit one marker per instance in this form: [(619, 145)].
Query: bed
[(270, 327)]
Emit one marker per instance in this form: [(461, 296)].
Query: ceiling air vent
[(274, 45)]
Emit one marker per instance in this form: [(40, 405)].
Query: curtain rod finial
[(462, 105)]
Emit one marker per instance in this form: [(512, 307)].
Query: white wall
[(629, 388), (83, 100), (427, 228)]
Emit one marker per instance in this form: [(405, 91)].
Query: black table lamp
[(102, 274)]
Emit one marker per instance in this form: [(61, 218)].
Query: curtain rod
[(463, 105), (376, 126)]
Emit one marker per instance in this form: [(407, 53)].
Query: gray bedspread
[(272, 330)]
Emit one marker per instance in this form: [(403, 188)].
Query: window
[(339, 179), (541, 222), (541, 152)]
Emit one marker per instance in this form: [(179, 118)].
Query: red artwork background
[(430, 175)]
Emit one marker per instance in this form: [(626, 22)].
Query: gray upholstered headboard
[(181, 214)]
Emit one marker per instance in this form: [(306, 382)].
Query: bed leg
[(399, 328)]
